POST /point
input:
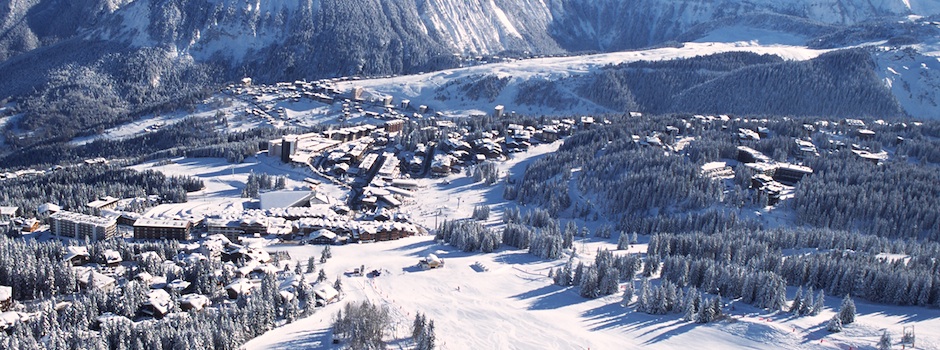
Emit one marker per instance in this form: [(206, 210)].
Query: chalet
[(240, 287), (9, 319), (158, 304), (405, 184), (441, 164), (110, 318), (178, 285), (234, 253), (7, 214), (548, 134), (322, 236), (77, 255), (431, 262), (112, 258), (93, 279), (498, 111), (748, 134), (6, 298), (193, 302), (857, 123), (48, 208), (325, 294), (150, 228), (29, 225)]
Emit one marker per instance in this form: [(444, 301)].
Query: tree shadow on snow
[(550, 297), (517, 257), (309, 339), (616, 316)]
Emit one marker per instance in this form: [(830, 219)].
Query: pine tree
[(578, 274), (819, 303), (884, 343), (338, 285), (430, 337), (628, 291), (322, 277), (806, 306), (311, 264), (835, 324), (847, 310), (691, 314), (797, 300), (417, 329), (643, 301)]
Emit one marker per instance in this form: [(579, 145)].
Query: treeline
[(72, 188), (468, 235), (745, 263), (193, 137), (897, 199)]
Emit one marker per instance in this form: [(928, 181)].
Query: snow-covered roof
[(8, 210), (103, 201), (283, 199), (101, 281), (6, 292), (322, 233), (241, 286), (326, 292), (162, 223), (9, 319), (160, 300), (178, 284), (83, 218), (196, 301), (48, 207), (75, 251), (112, 256)]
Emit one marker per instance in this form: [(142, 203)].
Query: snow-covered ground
[(512, 304), (422, 88), (224, 182)]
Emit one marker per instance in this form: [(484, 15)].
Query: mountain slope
[(144, 54)]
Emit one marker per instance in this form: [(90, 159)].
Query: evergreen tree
[(884, 343), (806, 306), (322, 277), (628, 291), (311, 264), (691, 313), (338, 284), (819, 303), (797, 300), (417, 328), (847, 310), (835, 324)]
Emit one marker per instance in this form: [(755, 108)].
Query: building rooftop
[(83, 218), (163, 223), (103, 201), (8, 210), (284, 199)]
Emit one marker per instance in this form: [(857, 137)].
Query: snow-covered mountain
[(137, 56)]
